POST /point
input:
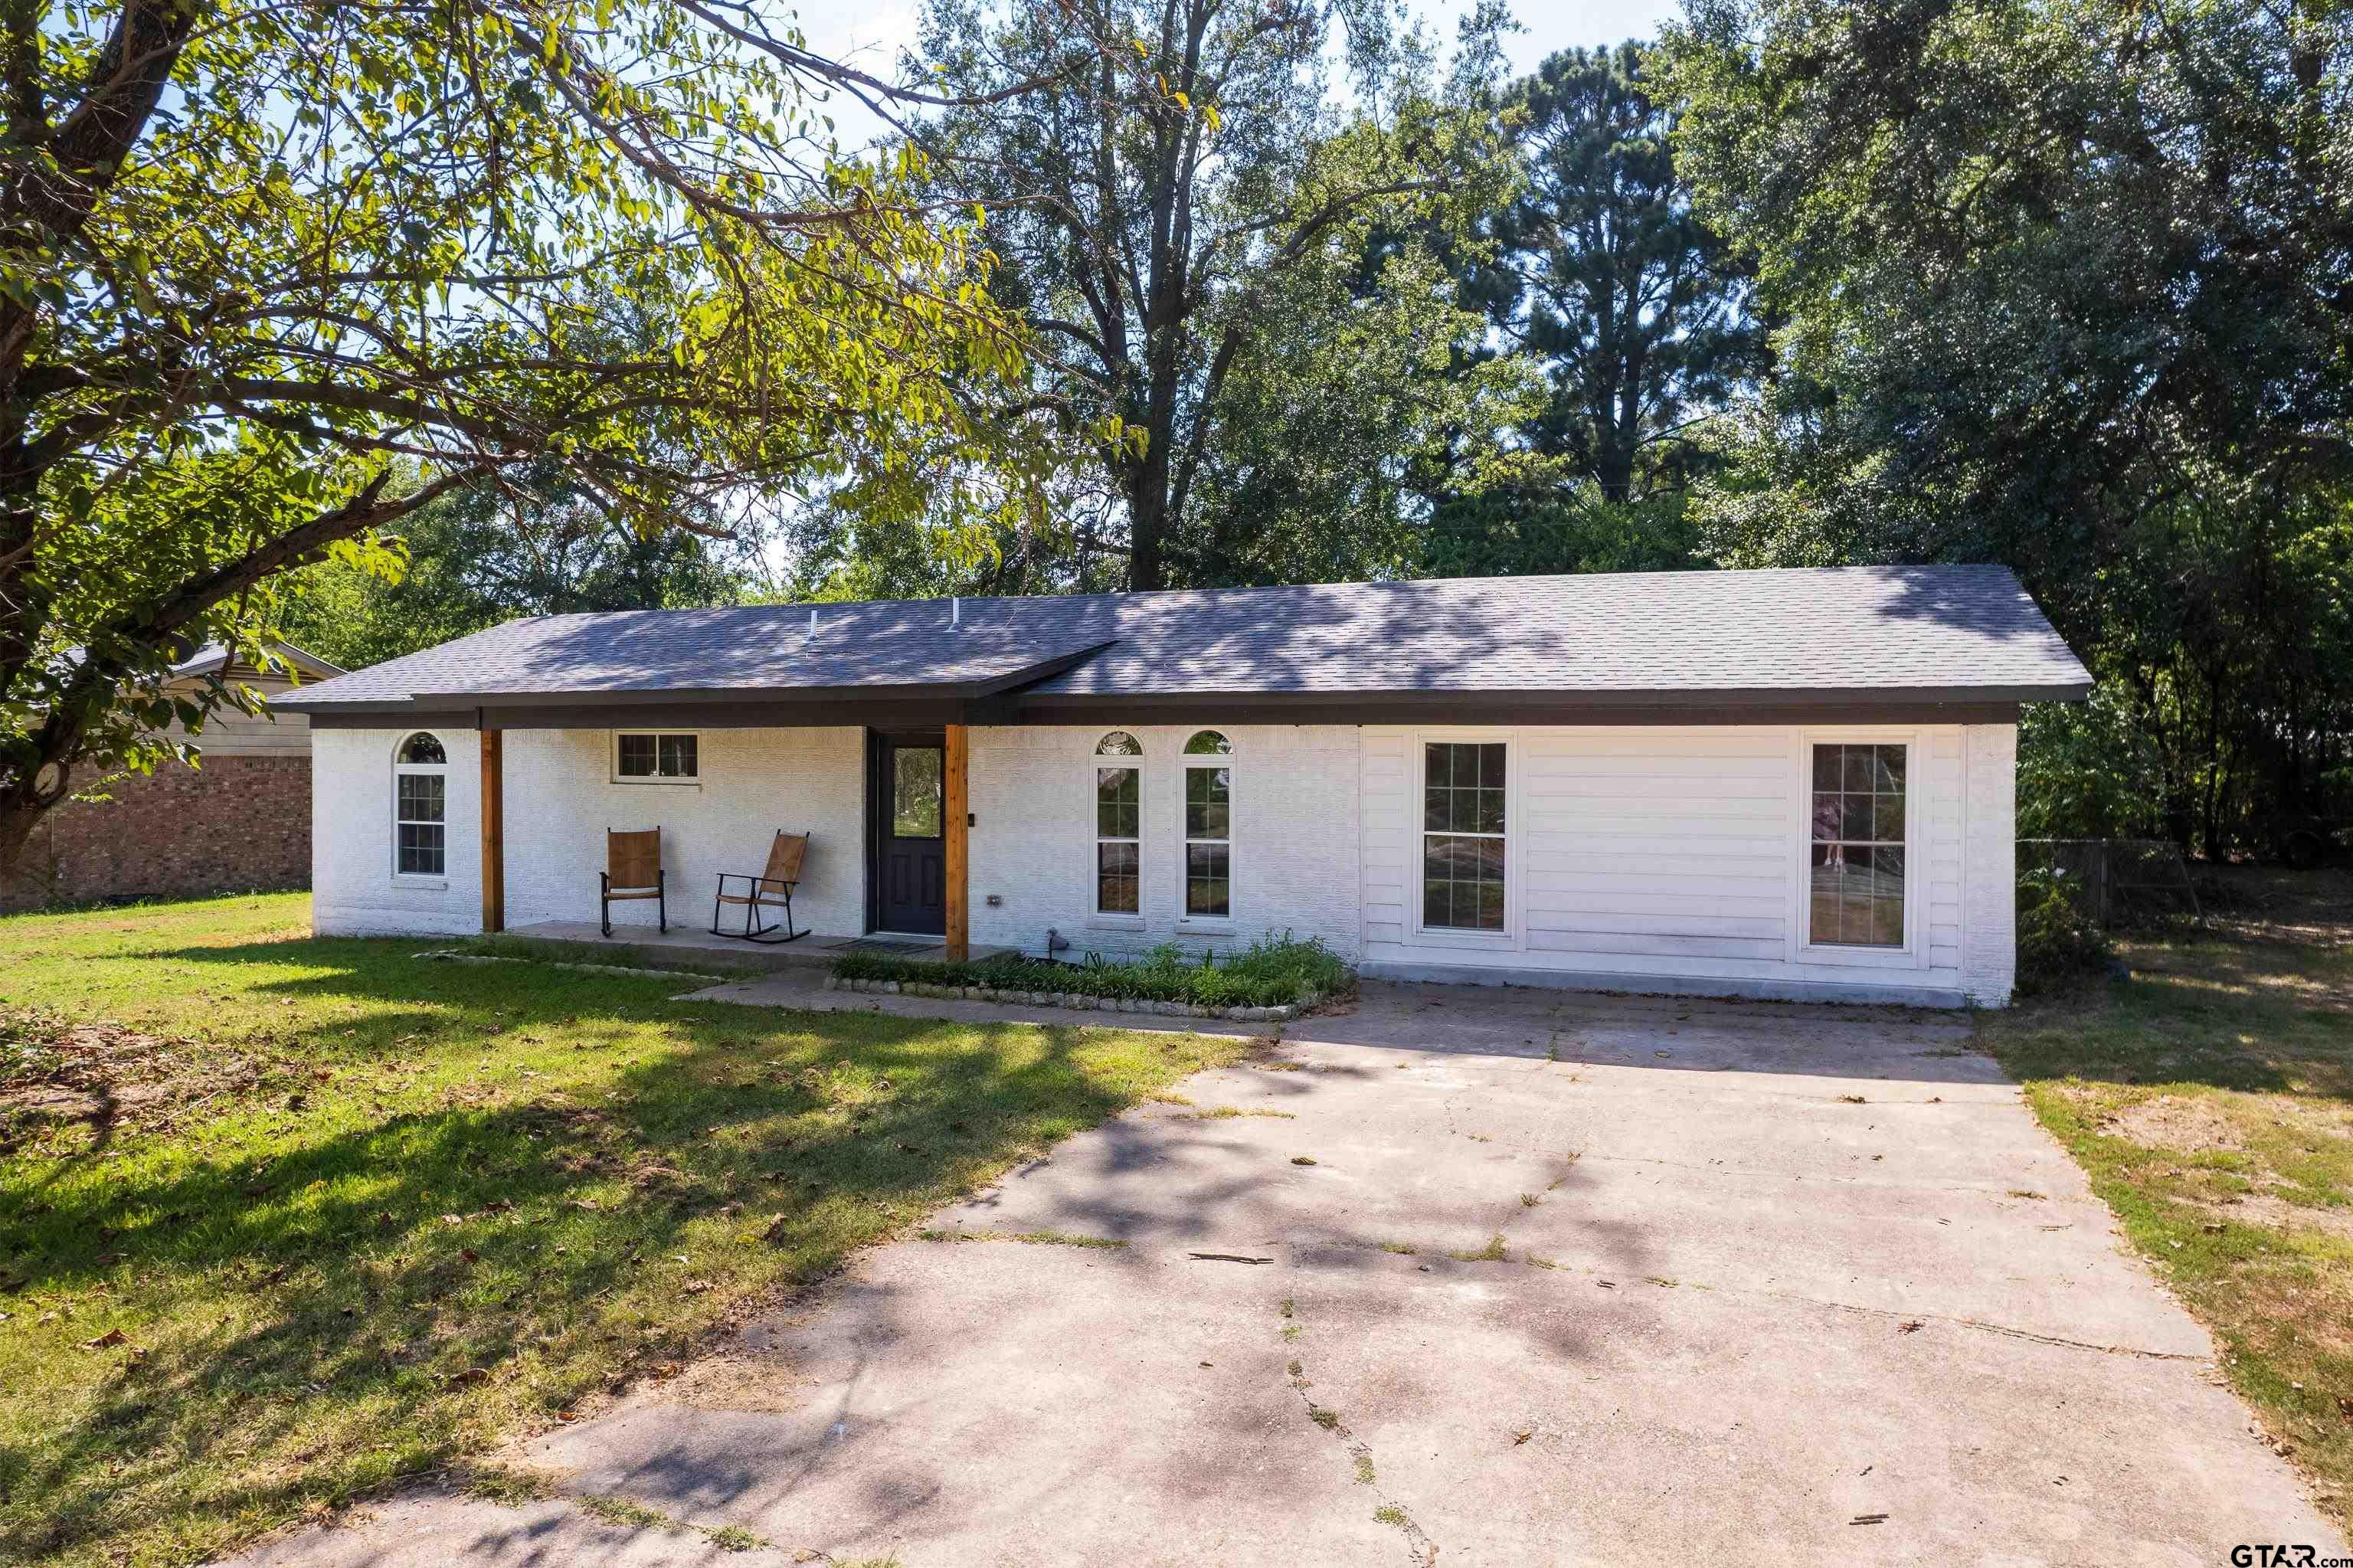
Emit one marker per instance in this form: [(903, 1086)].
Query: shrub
[(2056, 940), (1272, 972)]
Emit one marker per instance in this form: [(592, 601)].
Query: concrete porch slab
[(817, 947)]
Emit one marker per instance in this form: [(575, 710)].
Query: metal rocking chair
[(633, 869), (771, 889)]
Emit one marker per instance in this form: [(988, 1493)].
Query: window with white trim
[(1463, 835), (1208, 826), (420, 807), (657, 757), (1119, 824), (1854, 895)]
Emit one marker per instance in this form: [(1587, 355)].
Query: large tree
[(1599, 277), (1605, 277), (272, 278), (1197, 177), (2069, 284)]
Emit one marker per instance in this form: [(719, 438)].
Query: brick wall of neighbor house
[(236, 823), (1294, 837)]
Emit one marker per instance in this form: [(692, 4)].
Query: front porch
[(883, 814), (817, 947)]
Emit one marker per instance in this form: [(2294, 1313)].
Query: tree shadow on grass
[(2243, 1011), (325, 1328)]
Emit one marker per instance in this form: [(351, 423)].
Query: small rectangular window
[(1463, 836), (1208, 841), (1856, 879), (1119, 822), (917, 775), (419, 818), (657, 758)]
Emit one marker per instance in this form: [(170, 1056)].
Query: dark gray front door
[(905, 794)]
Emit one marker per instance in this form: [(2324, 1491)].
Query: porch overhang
[(1006, 703)]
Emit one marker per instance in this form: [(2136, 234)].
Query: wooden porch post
[(957, 809), (494, 833)]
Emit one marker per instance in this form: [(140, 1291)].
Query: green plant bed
[(1276, 972)]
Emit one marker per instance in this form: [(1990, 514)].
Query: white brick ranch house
[(1792, 784)]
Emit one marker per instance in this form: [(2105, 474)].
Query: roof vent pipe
[(812, 621), (956, 611)]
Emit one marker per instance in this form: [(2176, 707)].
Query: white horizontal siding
[(1676, 792), (1391, 811), (1670, 852)]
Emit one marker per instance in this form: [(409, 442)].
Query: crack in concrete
[(2004, 1330), (1855, 1180), (1829, 1092), (1549, 1266), (1421, 1550)]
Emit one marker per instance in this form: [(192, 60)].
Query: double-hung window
[(1208, 826), (1857, 840), (420, 807), (1463, 835), (651, 757), (1119, 824)]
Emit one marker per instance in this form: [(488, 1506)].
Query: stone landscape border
[(1070, 1000)]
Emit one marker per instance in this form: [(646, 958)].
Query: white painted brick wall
[(560, 799), (1989, 900), (353, 889), (1308, 799), (1294, 826)]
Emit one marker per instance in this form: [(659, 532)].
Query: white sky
[(869, 34)]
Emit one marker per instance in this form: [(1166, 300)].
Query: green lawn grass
[(2210, 1097), (284, 1219)]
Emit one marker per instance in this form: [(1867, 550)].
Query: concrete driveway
[(1477, 1276)]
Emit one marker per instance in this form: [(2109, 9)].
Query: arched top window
[(1208, 743), (1119, 742), (420, 807)]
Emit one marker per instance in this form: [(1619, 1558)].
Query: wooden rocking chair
[(633, 869), (771, 889)]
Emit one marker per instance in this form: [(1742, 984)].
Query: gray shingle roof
[(1867, 631)]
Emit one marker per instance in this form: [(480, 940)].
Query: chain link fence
[(2117, 881)]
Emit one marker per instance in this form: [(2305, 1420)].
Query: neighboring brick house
[(239, 820)]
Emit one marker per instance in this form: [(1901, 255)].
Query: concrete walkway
[(1477, 1276)]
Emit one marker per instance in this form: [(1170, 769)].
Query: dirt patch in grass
[(2174, 1122), (55, 1070), (2270, 1212), (761, 1384)]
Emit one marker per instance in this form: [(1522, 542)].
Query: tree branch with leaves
[(272, 277)]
